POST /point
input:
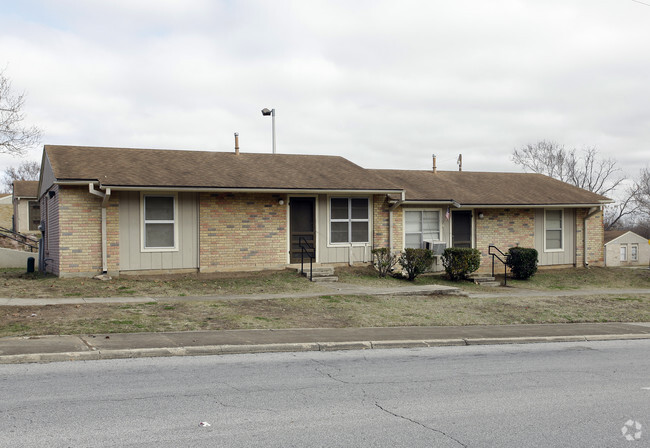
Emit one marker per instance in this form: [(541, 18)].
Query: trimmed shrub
[(415, 261), (383, 260), (522, 262), (460, 261)]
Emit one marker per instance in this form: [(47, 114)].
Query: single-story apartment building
[(626, 248), (124, 211), (27, 214)]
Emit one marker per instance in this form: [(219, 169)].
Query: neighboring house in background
[(626, 248), (121, 211), (27, 214), (6, 211)]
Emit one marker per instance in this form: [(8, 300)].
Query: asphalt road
[(552, 395)]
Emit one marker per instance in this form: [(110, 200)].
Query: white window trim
[(622, 252), (561, 249), (439, 210), (142, 223), (349, 220), (634, 252)]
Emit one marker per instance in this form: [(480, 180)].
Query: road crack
[(421, 424)]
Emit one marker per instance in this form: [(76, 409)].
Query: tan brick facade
[(504, 228), (80, 249), (242, 231), (595, 238), (113, 233)]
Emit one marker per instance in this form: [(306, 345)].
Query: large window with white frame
[(349, 220), (420, 226), (623, 250), (634, 252), (159, 222), (553, 230)]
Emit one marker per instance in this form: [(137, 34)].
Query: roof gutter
[(459, 205), (105, 195), (230, 189)]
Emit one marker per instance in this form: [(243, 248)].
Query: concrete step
[(323, 271), (331, 278), (488, 283)]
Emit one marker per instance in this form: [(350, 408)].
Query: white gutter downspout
[(105, 197), (592, 212)]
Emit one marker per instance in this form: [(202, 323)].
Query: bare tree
[(583, 168), (24, 171), (15, 138), (642, 194)]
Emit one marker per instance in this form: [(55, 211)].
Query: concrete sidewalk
[(134, 345)]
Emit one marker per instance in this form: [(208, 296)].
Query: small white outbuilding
[(626, 248)]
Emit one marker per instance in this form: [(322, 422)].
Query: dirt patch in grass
[(325, 311), (16, 283)]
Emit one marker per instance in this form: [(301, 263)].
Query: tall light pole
[(271, 112)]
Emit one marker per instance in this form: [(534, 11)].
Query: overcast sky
[(383, 83)]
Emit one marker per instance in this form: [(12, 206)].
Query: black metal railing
[(26, 240), (502, 260), (305, 248)]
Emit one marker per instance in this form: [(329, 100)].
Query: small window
[(634, 252), (420, 226), (349, 220), (553, 233), (34, 215), (623, 252), (159, 222)]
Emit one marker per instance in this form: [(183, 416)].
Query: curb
[(207, 350)]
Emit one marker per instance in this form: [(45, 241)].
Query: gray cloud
[(385, 84)]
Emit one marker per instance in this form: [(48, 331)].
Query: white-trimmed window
[(420, 226), (349, 220), (553, 230), (623, 252), (159, 226), (634, 252)]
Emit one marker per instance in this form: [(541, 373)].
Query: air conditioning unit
[(437, 247)]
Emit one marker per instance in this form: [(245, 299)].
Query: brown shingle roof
[(25, 188), (613, 234), (202, 169), (473, 188)]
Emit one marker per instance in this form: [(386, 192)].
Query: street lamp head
[(267, 112)]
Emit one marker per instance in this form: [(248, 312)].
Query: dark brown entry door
[(302, 224), (461, 228)]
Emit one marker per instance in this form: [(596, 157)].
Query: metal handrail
[(305, 250), (505, 266), (22, 239)]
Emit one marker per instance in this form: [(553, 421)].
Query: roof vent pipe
[(435, 168), (236, 143), (460, 162)]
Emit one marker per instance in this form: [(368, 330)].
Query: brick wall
[(113, 233), (80, 249), (504, 228), (595, 238), (242, 231), (381, 221)]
